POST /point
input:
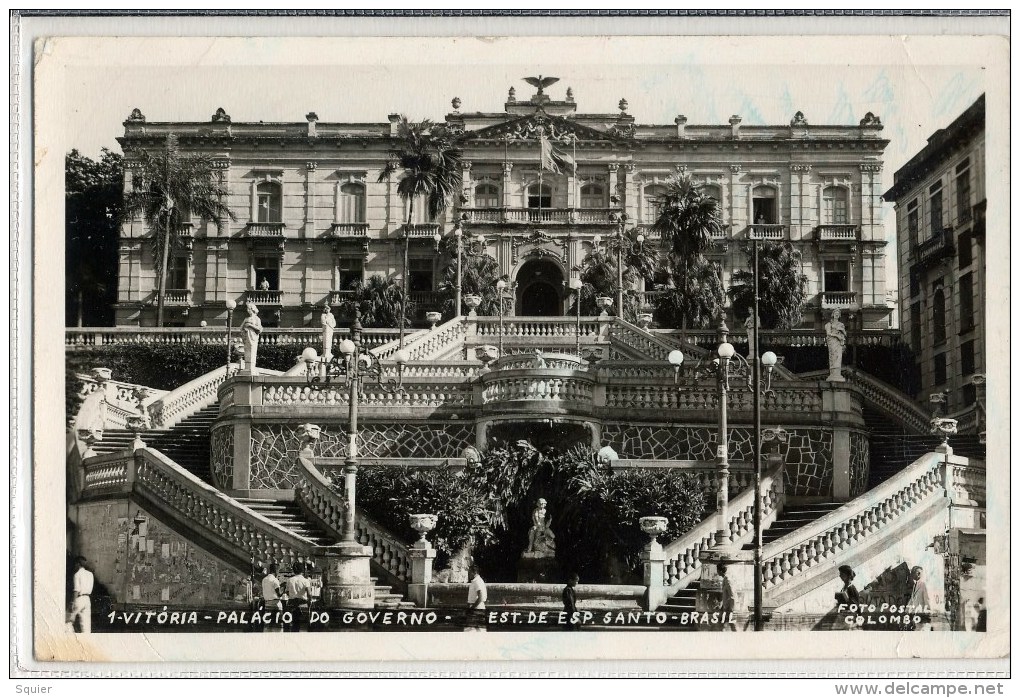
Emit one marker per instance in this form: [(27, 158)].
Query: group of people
[(294, 595)]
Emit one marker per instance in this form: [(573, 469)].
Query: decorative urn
[(472, 301), (604, 302), (423, 523), (433, 317), (653, 526), (644, 320)]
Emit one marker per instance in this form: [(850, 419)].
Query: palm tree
[(697, 301), (782, 288), (171, 184), (379, 299), (426, 155), (599, 277), (687, 222), (479, 274)]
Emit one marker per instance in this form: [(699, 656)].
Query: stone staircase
[(187, 443), (289, 515), (790, 519)]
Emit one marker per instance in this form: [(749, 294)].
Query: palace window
[(420, 273), (269, 202), (834, 202), (539, 196), (965, 253), (351, 271), (939, 368), (935, 208), (177, 273), (963, 191), (351, 206), (487, 196), (966, 292), (267, 273), (938, 312), (967, 363), (969, 394), (835, 275), (912, 223), (653, 203), (593, 195), (915, 326), (763, 203)]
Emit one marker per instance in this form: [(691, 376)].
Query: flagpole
[(541, 167)]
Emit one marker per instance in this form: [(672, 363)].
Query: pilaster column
[(630, 197), (734, 176), (507, 169), (800, 172), (310, 167), (217, 270), (870, 199), (253, 202), (614, 180), (467, 186)]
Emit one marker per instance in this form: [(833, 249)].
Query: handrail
[(681, 555), (314, 492), (226, 521), (642, 341), (434, 342), (885, 397), (389, 348), (537, 327), (195, 395), (869, 514), (89, 337)]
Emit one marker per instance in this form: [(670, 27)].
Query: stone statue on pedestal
[(835, 340), (251, 328), (541, 539), (328, 325)]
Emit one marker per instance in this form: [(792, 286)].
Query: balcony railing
[(424, 299), (259, 297), (767, 231), (338, 297), (185, 230), (838, 233), (176, 297), (940, 245), (265, 230), (545, 216), (348, 230), (839, 299), (421, 230)]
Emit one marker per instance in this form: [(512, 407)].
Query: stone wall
[(808, 453), (274, 447), (221, 456), (860, 459)]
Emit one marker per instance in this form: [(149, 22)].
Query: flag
[(553, 159)]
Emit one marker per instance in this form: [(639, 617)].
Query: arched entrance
[(540, 289)]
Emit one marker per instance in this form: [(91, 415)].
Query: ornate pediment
[(556, 128)]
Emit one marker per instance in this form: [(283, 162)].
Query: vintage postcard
[(550, 348)]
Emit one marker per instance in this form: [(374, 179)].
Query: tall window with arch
[(351, 203), (540, 196), (763, 204), (487, 196), (652, 203), (269, 203), (593, 195), (834, 206)]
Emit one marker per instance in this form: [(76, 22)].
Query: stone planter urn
[(487, 353), (644, 320), (422, 524), (653, 526), (604, 302), (136, 424), (433, 317), (472, 302)]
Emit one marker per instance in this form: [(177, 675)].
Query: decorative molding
[(311, 165), (800, 168), (870, 167), (736, 168)]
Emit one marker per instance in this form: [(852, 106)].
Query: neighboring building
[(940, 219), (312, 216)]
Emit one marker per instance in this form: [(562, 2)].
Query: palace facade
[(940, 219), (312, 215)]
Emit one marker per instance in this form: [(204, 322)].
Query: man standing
[(570, 601), (81, 604), (297, 596), (271, 591), (477, 596), (918, 604), (728, 602)]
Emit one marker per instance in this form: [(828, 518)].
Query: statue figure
[(798, 119), (328, 325), (539, 363), (251, 328), (749, 326), (541, 540), (835, 340), (264, 284)]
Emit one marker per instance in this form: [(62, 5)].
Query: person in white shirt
[(297, 595), (477, 596), (271, 592), (81, 604)]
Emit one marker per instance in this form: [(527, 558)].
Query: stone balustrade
[(852, 526), (767, 231), (705, 472), (177, 297), (682, 563), (838, 233), (547, 216), (644, 342), (548, 360), (967, 480), (78, 338), (263, 297), (429, 344), (773, 339), (186, 400), (838, 299), (885, 397), (539, 390), (388, 552), (520, 327), (105, 475), (416, 394)]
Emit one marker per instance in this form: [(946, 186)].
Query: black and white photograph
[(557, 341)]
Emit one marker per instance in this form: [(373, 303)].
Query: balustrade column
[(507, 169)]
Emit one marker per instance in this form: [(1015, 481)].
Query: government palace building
[(312, 216)]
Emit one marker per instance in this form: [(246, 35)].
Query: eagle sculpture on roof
[(541, 83)]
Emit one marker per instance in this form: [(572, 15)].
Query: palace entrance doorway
[(540, 289)]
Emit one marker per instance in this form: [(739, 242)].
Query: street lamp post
[(623, 243), (576, 285)]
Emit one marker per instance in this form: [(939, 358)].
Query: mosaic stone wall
[(859, 463), (274, 447), (808, 452), (221, 456)]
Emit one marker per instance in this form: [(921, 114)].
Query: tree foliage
[(426, 156), (93, 196), (692, 297), (170, 186), (598, 274), (782, 288), (378, 299), (479, 274), (687, 218)]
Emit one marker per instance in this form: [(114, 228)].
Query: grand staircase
[(289, 515)]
